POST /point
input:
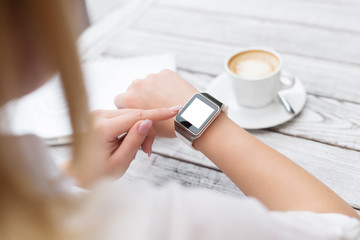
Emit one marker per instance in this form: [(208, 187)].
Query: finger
[(126, 152), (148, 142), (110, 113), (122, 123), (120, 112), (114, 113), (118, 101)]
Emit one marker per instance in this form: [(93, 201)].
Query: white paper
[(44, 111)]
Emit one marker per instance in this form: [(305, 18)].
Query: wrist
[(212, 134)]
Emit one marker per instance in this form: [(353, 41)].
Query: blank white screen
[(197, 113)]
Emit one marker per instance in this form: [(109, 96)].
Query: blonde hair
[(25, 212)]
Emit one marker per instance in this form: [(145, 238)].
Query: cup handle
[(290, 80)]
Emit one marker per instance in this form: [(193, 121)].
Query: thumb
[(126, 152)]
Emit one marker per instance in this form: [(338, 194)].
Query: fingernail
[(150, 151), (175, 108), (145, 126)]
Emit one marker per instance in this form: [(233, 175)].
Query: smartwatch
[(196, 116)]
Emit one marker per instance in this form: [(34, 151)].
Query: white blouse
[(143, 211)]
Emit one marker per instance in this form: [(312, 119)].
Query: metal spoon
[(286, 104)]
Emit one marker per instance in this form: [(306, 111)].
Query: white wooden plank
[(60, 153), (285, 37), (338, 168), (160, 171), (321, 77), (339, 15), (327, 120), (99, 9), (95, 40), (323, 119)]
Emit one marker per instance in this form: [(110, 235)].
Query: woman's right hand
[(115, 154), (164, 89)]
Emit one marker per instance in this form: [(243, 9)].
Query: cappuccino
[(253, 64)]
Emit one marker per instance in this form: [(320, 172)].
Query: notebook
[(44, 111)]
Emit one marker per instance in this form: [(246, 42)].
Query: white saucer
[(256, 118)]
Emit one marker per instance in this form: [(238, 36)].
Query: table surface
[(320, 43)]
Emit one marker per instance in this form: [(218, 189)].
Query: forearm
[(257, 169), (264, 173)]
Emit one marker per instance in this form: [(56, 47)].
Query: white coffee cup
[(257, 76)]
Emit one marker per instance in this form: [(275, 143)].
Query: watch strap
[(211, 98), (184, 133), (183, 138), (222, 106)]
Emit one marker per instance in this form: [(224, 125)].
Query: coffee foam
[(253, 64)]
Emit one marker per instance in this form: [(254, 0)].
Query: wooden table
[(320, 43)]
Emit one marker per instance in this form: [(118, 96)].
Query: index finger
[(120, 112), (124, 122)]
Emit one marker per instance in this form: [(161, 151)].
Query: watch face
[(197, 113)]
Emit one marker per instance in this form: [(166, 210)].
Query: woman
[(36, 199)]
